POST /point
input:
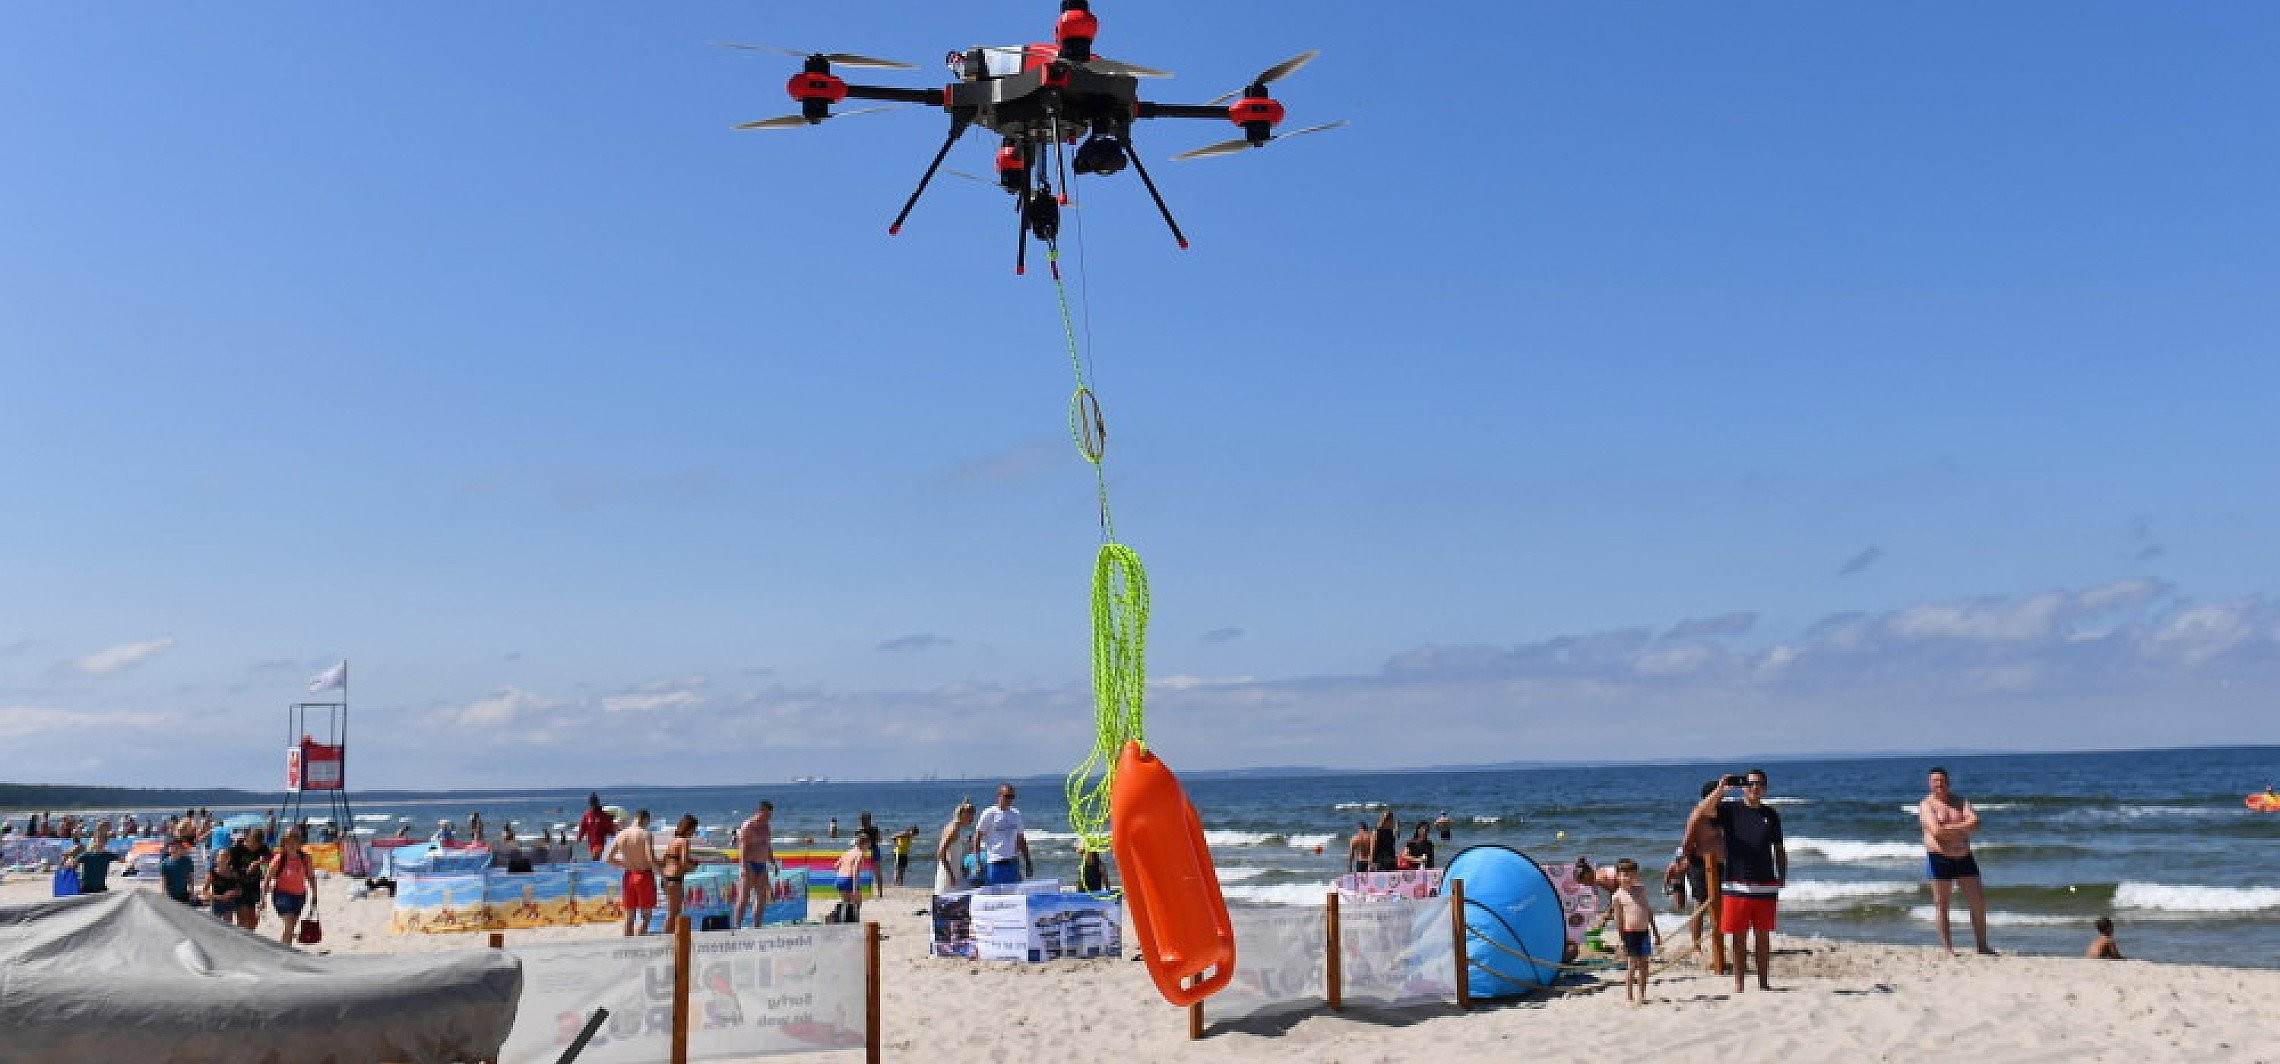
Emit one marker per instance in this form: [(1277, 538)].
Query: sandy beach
[(1835, 1002)]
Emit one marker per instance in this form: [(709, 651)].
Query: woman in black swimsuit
[(676, 866)]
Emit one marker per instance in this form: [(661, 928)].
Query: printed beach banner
[(1581, 902), (596, 887), (438, 904), (751, 992), (1406, 883), (519, 901), (1032, 926), (822, 869)]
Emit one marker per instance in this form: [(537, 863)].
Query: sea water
[(2158, 840)]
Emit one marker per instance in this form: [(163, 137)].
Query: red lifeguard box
[(314, 765)]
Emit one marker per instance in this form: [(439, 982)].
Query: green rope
[(1119, 616)]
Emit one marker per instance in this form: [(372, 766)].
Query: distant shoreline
[(22, 798)]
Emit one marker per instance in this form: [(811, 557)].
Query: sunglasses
[(1753, 783)]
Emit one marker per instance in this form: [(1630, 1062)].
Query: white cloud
[(1184, 683), (1676, 661), (124, 656), (502, 708), (2198, 634), (647, 703), (23, 720)]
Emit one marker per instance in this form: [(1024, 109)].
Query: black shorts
[(1937, 866), (1698, 879)]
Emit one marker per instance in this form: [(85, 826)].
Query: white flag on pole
[(330, 679)]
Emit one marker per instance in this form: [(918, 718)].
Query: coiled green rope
[(1119, 616)]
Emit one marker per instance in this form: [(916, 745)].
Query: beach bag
[(311, 931), (66, 881)]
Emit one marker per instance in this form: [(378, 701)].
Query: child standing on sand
[(1634, 917)]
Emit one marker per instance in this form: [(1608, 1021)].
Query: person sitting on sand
[(2103, 948)]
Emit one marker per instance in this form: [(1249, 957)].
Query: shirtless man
[(633, 851), (1948, 820), (1358, 849), (756, 847), (1705, 849)]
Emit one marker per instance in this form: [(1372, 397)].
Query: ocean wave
[(1279, 894), (1984, 807), (1485, 821), (1788, 801), (2163, 897), (1999, 918), (1231, 839), (374, 818), (1352, 806), (1816, 894), (1853, 851), (1240, 873)]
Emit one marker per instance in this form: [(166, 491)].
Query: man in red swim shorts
[(1756, 865), (633, 851)]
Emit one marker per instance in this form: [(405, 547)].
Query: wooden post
[(681, 953), (1195, 1013), (1461, 961), (871, 992), (1334, 962)]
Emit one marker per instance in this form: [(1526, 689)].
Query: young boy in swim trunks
[(1634, 916), (2104, 948)]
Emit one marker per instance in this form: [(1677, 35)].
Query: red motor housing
[(1251, 109), (806, 86)]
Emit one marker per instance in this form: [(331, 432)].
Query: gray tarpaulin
[(133, 976)]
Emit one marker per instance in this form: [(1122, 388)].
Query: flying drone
[(1042, 99)]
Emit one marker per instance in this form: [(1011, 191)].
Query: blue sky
[(1764, 377)]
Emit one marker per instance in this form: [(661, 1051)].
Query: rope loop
[(1086, 425)]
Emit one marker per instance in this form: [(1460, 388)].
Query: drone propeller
[(1276, 72), (1097, 64), (1230, 147), (1130, 70), (790, 121), (835, 58)]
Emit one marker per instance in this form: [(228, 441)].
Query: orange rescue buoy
[(1169, 881)]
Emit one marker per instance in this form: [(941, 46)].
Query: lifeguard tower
[(318, 766)]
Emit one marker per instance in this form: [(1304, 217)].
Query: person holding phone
[(1756, 865)]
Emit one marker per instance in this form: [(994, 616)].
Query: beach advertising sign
[(1042, 927), (751, 992)]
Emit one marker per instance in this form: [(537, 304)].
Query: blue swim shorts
[(1639, 943), (287, 904), (1937, 866)]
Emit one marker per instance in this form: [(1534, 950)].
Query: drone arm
[(1140, 168), (1164, 110), (958, 124), (929, 97)]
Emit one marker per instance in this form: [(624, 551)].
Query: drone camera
[(1103, 154)]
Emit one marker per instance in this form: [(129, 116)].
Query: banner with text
[(751, 992)]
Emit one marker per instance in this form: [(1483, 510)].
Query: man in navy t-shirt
[(1756, 865), (174, 872)]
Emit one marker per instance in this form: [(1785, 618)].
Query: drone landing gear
[(1140, 168), (958, 124)]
